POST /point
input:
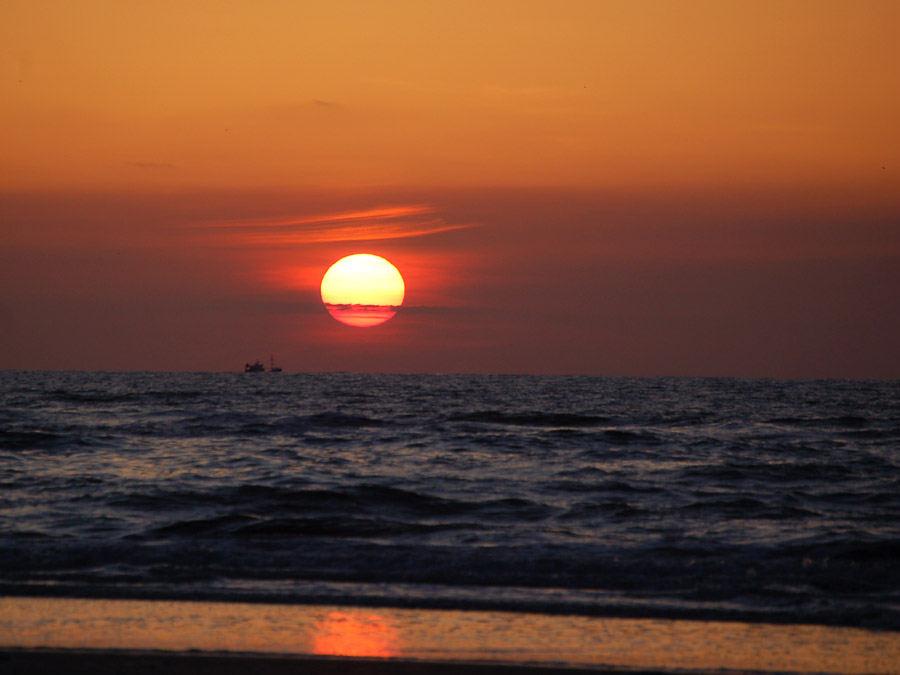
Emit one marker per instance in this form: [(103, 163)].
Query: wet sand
[(74, 662), (67, 635)]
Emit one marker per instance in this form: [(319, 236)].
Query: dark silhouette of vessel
[(258, 367)]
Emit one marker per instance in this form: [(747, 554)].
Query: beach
[(100, 636), (139, 663)]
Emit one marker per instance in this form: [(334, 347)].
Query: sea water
[(714, 499)]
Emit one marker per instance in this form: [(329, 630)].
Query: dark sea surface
[(759, 500)]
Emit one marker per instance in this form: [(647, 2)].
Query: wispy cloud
[(153, 166), (389, 222)]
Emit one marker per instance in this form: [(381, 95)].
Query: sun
[(362, 290)]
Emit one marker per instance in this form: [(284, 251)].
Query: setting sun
[(362, 290)]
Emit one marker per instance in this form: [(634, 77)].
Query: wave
[(803, 581), (106, 396), (766, 498), (13, 440), (532, 419)]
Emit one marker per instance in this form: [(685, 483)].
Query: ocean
[(716, 499)]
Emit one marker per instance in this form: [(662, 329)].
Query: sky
[(640, 188)]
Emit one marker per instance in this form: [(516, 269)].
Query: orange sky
[(636, 188)]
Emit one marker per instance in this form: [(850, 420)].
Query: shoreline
[(101, 662), (874, 620), (99, 636)]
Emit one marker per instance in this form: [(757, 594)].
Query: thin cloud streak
[(374, 214), (395, 222), (154, 166)]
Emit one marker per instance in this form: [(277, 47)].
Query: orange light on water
[(355, 634)]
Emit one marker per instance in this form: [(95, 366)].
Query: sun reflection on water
[(355, 634)]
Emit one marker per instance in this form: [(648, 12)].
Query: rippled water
[(757, 499)]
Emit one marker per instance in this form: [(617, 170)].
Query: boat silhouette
[(258, 367)]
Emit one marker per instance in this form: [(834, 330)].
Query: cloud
[(153, 166), (388, 222)]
